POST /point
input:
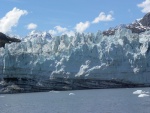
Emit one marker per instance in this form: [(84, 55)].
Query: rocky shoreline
[(15, 85)]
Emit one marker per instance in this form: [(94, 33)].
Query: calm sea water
[(79, 101)]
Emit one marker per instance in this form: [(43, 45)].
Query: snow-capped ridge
[(138, 26)]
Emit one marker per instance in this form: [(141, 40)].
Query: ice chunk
[(54, 91), (143, 95), (138, 92), (71, 94)]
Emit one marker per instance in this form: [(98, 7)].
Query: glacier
[(122, 57)]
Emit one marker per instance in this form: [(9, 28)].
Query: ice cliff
[(123, 57)]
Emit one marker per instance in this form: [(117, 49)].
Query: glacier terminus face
[(124, 56)]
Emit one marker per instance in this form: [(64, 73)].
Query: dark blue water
[(80, 101)]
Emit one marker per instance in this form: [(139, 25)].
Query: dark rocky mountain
[(138, 26), (146, 20), (6, 39)]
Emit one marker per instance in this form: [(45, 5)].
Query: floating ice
[(71, 94), (54, 91), (138, 92), (143, 95)]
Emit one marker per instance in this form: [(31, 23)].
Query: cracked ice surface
[(123, 56)]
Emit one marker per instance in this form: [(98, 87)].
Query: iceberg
[(71, 94), (143, 95), (140, 92)]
